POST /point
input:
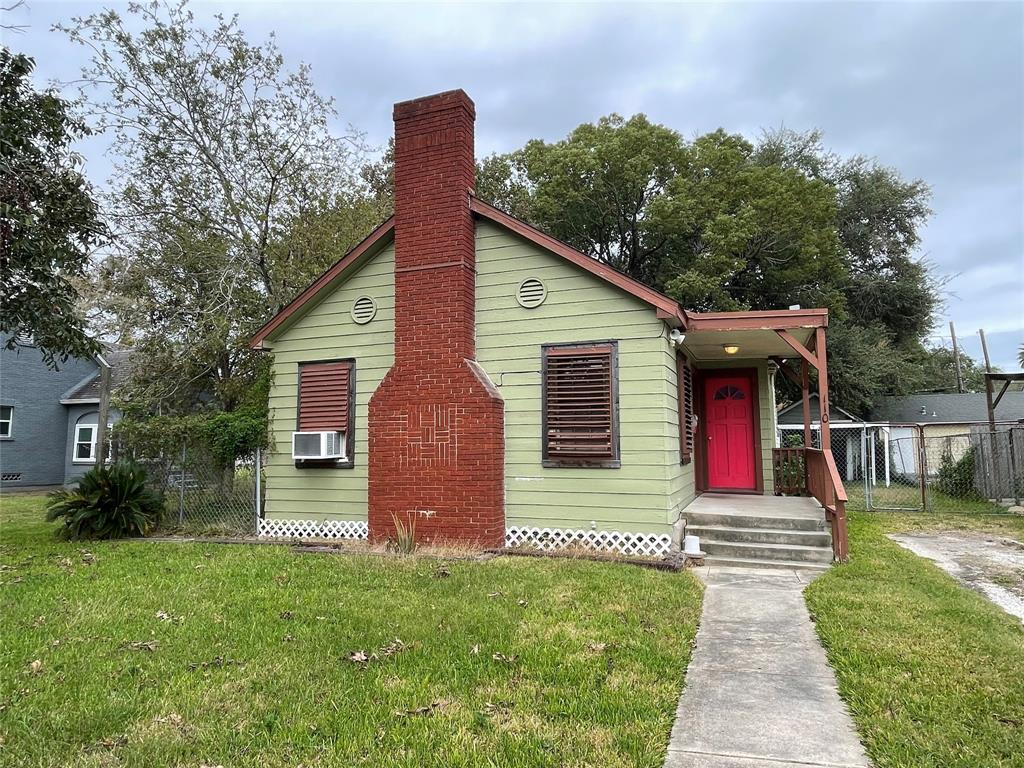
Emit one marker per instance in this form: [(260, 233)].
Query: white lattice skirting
[(313, 529), (651, 544), (525, 537)]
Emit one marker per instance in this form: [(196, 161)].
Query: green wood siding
[(645, 494), (649, 488), (328, 332), (682, 486)]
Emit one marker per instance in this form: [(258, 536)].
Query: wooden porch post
[(805, 386), (819, 350)]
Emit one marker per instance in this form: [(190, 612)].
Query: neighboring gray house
[(947, 409), (846, 433), (48, 418)]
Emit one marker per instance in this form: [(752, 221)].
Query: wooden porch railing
[(825, 484), (813, 472), (790, 475)]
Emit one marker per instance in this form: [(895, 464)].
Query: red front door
[(729, 430)]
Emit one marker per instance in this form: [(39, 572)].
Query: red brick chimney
[(436, 422)]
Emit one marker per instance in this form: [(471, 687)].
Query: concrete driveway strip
[(759, 692)]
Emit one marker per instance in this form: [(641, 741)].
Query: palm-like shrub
[(107, 503)]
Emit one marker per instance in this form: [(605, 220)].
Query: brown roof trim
[(256, 342), (759, 320), (667, 308)]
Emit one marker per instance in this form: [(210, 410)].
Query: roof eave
[(756, 320), (259, 338), (667, 308)]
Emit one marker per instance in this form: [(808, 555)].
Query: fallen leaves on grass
[(498, 710), (429, 709), (442, 572), (112, 743), (172, 719), (35, 667), (163, 615), (363, 658), (141, 645), (215, 663), (395, 646), (499, 656), (597, 647)]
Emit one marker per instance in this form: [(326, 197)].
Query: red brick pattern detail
[(436, 426)]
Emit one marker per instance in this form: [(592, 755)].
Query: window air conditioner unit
[(318, 445)]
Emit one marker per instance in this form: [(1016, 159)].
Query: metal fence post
[(258, 469), (922, 452), (181, 489), (1014, 483)]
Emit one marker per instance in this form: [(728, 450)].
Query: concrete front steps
[(760, 531)]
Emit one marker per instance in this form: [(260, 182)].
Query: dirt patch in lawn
[(991, 565)]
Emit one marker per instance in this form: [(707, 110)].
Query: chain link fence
[(203, 498), (967, 468)]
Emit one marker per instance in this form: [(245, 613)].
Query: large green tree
[(723, 223), (49, 221), (231, 192)]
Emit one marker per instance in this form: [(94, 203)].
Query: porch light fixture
[(730, 349)]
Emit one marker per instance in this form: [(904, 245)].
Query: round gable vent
[(531, 293), (364, 309)]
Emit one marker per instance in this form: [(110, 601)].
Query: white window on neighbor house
[(85, 444), (6, 420)]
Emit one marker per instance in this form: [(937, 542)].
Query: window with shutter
[(684, 380), (580, 420), (326, 398)]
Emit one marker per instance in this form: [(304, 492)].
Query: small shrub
[(107, 503), (956, 477), (405, 536)]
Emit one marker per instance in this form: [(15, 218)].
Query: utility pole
[(991, 406), (956, 360), (102, 437), (988, 383)]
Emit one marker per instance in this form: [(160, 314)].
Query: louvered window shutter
[(580, 410), (325, 397), (684, 378)]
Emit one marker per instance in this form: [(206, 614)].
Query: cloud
[(935, 90)]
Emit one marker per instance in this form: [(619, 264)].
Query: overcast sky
[(933, 89)]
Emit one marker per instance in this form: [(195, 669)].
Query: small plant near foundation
[(404, 542)]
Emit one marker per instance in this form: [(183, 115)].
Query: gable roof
[(87, 391), (946, 408), (379, 237), (666, 307), (794, 413)]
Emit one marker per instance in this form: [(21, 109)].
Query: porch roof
[(757, 334)]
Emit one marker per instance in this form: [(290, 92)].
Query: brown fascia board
[(759, 320), (668, 309), (256, 342)]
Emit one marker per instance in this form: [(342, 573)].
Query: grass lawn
[(907, 497), (933, 672), (149, 654)]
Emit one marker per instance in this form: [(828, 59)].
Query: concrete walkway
[(759, 692)]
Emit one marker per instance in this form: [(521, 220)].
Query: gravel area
[(991, 565)]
